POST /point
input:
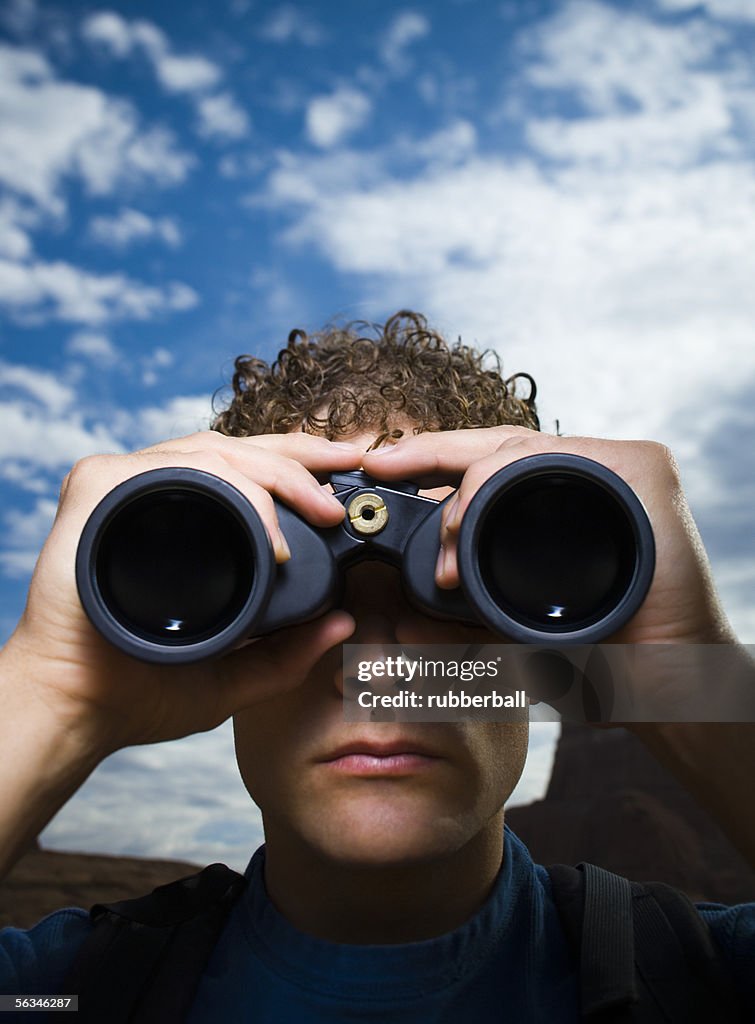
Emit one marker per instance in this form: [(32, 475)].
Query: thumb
[(279, 662)]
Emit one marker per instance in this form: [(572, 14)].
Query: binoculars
[(175, 565)]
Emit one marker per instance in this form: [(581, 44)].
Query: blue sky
[(569, 183)]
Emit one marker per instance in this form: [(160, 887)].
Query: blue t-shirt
[(508, 962)]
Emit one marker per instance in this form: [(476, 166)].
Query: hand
[(681, 606), (58, 658)]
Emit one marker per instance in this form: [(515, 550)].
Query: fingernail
[(440, 565), (282, 547), (452, 512)]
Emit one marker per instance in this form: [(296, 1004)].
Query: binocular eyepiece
[(174, 565)]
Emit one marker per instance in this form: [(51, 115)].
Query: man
[(387, 890)]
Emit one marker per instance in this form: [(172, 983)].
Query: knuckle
[(663, 457), (65, 483), (85, 470), (199, 440), (297, 470), (512, 441), (300, 438), (210, 439), (210, 461), (264, 503), (511, 432)]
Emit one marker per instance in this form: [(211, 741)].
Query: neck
[(380, 904)]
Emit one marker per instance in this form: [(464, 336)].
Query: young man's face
[(294, 753)]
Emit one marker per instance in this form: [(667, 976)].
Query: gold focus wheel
[(368, 513)]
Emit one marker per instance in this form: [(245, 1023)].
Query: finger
[(92, 478), (316, 453), (447, 569), (298, 489), (278, 663), (442, 457), (288, 480), (292, 479)]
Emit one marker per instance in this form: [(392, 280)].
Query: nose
[(373, 595), (373, 628)]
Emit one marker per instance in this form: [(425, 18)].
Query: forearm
[(44, 758), (716, 763)]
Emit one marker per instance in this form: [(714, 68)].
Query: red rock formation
[(45, 880), (611, 803)]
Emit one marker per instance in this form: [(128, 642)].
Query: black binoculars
[(175, 565)]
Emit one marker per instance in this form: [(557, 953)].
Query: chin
[(378, 833)]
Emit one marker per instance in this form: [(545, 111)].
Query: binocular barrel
[(175, 565)]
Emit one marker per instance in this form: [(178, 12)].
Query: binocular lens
[(557, 552), (175, 566)]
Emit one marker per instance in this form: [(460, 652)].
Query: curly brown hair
[(366, 376)]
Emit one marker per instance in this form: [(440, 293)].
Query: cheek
[(501, 752), (267, 737), (278, 738), (254, 749)]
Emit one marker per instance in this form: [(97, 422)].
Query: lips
[(380, 759), (376, 748)]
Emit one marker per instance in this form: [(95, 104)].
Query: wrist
[(46, 756), (30, 688)]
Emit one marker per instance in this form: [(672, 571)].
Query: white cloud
[(94, 346), (53, 129), (290, 24), (650, 97), (43, 427), (18, 564), (15, 241), (176, 73), (46, 388), (610, 57), (331, 118), (643, 275), (451, 145), (28, 529), (614, 142), (183, 800), (162, 357), (184, 414), (20, 475), (158, 360), (220, 116), (45, 442), (134, 226), (41, 291), (109, 30), (726, 10), (116, 153), (405, 28), (186, 74)]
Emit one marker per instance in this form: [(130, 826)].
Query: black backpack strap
[(595, 908), (678, 960), (143, 959), (643, 952)]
